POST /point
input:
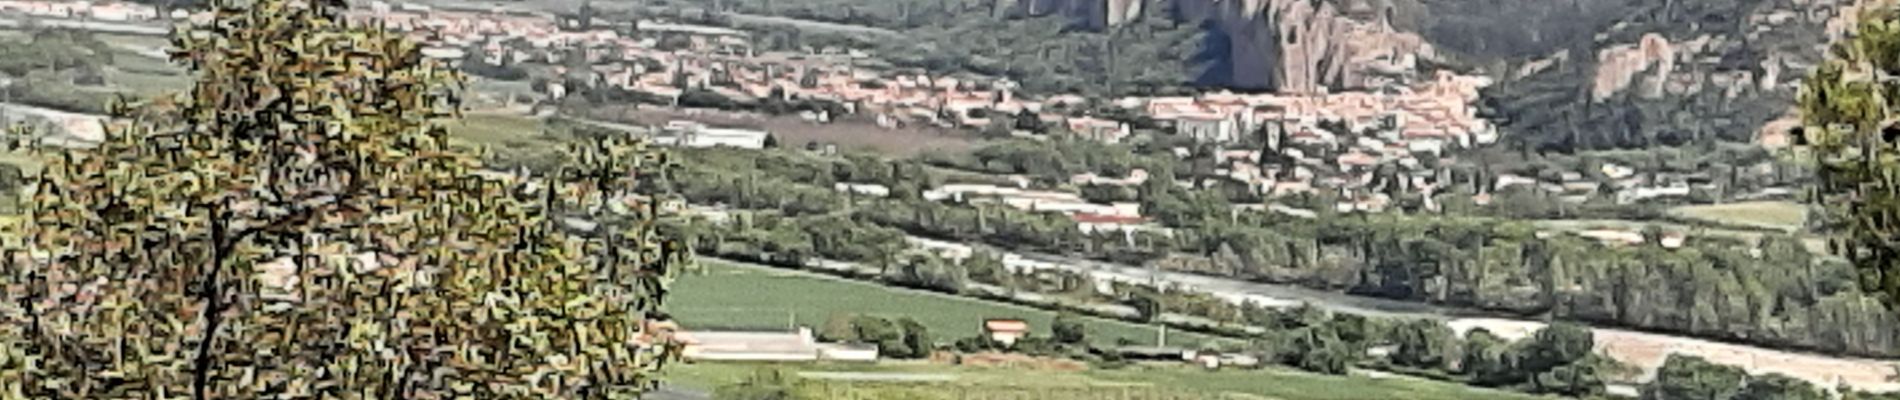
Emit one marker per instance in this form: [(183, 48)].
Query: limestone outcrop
[(1292, 46)]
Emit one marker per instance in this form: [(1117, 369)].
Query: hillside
[(1589, 74)]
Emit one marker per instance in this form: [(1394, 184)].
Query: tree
[(1488, 360), (916, 337), (1557, 345), (931, 272), (839, 328), (1320, 350), (1422, 343), (585, 16), (1068, 330), (1029, 121), (1147, 308), (298, 223), (1580, 379), (1848, 125), (888, 337), (1692, 378), (1779, 387)]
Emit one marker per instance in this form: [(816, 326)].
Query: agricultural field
[(496, 128), (725, 295), (1158, 381), (1777, 215)]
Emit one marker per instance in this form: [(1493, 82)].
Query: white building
[(702, 137), (769, 346), (864, 189), (1210, 128)]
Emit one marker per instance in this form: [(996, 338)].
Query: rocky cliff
[(1670, 73), (1571, 73), (1301, 46)]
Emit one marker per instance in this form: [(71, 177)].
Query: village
[(1363, 150), (1361, 147), (1276, 144)]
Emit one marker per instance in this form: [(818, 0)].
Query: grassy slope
[(728, 296)]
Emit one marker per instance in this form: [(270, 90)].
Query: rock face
[(1294, 46), (1619, 65), (1671, 73), (1571, 74), (1304, 46)]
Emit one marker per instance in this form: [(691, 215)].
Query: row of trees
[(1557, 359), (1770, 291), (1684, 377), (900, 338)]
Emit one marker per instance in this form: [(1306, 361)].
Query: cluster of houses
[(1359, 145), (698, 135), (1339, 141)]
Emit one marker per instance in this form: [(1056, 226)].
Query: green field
[(145, 84), (728, 296), (1778, 215), (496, 128), (1141, 381), (510, 135)]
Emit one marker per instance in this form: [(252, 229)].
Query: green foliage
[(52, 50), (1320, 349), (904, 338), (299, 225), (1488, 359), (761, 385), (888, 337), (1422, 343), (931, 272), (840, 329), (761, 298), (1556, 345), (916, 337), (1693, 378), (1846, 109), (1712, 288), (1069, 331), (1581, 378), (1779, 387)]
